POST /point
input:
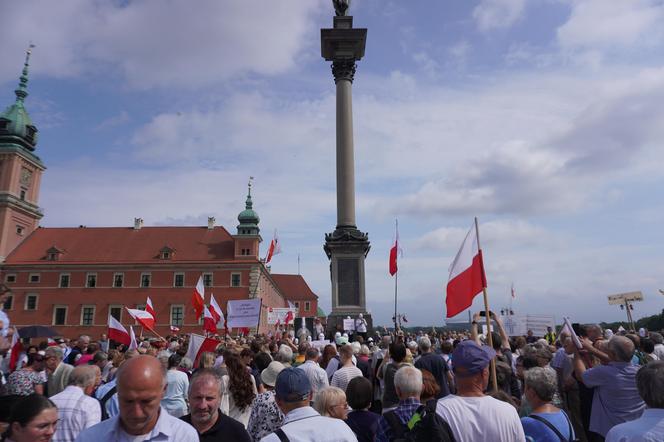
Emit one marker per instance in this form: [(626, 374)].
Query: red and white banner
[(209, 323), (467, 276), (216, 312), (150, 309), (133, 345), (16, 350), (198, 345), (142, 317), (198, 297), (274, 248), (395, 252), (117, 332)]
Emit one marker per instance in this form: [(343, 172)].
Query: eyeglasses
[(345, 405)]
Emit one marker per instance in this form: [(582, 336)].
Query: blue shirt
[(112, 405), (404, 410), (648, 428), (615, 398), (541, 433)]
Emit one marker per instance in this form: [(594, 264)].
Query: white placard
[(349, 324), (278, 314), (243, 313), (539, 323), (320, 344), (622, 297)]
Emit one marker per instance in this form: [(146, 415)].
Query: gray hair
[(83, 376), (657, 338), (650, 383), (186, 363), (622, 348), (408, 380), (327, 397), (55, 351), (205, 372), (285, 354), (425, 344), (543, 381)]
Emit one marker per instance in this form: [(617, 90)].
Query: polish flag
[(175, 329), (142, 317), (395, 252), (209, 323), (198, 345), (133, 345), (274, 249), (198, 297), (150, 309), (216, 312), (51, 342), (289, 317), (467, 276), (117, 332), (16, 349)]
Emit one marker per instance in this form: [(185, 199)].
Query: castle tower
[(20, 171), (248, 233)]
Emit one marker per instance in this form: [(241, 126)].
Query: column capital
[(344, 70)]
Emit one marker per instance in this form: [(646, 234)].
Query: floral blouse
[(266, 417), (22, 382)]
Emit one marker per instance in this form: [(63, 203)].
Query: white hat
[(321, 336), (269, 375), (360, 315)]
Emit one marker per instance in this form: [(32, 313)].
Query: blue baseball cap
[(471, 358), (292, 385)]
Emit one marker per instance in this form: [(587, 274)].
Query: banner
[(243, 313), (278, 314), (320, 345), (349, 324), (519, 325)]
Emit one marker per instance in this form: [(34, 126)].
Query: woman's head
[(331, 402), (32, 419), (398, 352), (240, 383), (541, 384), (359, 393), (430, 388), (206, 360), (36, 361), (174, 361)]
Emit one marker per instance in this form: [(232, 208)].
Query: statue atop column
[(341, 7)]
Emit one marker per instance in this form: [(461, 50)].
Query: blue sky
[(543, 118)]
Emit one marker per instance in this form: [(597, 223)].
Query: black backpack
[(424, 426)]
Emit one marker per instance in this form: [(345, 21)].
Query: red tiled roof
[(294, 287), (124, 245)]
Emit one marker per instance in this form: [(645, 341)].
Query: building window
[(145, 279), (235, 279), (9, 302), (178, 280), (116, 312), (34, 277), (118, 280), (59, 315), (64, 280), (297, 305), (20, 230), (207, 279), (177, 315), (88, 315), (245, 252), (52, 256), (91, 280), (165, 255), (307, 306), (22, 194), (31, 302), (10, 278)]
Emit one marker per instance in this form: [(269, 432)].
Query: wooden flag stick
[(487, 312)]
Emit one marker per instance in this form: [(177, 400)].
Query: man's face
[(51, 361), (139, 403), (83, 343), (204, 399), (103, 336)]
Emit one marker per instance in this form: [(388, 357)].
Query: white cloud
[(497, 14)]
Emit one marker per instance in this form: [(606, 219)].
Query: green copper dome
[(248, 218), (15, 123)]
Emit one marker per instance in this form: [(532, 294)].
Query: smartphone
[(483, 313)]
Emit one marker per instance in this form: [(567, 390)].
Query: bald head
[(621, 349), (141, 385), (141, 371)]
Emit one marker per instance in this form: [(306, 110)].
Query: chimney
[(138, 223), (211, 222)]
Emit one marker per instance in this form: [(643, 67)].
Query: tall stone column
[(346, 246)]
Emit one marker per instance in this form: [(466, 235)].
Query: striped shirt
[(76, 412), (342, 377)]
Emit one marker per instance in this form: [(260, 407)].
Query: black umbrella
[(37, 331)]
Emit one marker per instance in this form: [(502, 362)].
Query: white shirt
[(481, 419), (168, 428), (659, 351), (76, 412), (306, 425), (343, 376), (317, 376), (648, 428), (177, 387)]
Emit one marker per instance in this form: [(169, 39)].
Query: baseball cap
[(471, 357), (292, 385)]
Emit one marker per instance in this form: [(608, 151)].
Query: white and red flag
[(117, 332), (274, 248), (174, 329), (133, 345), (209, 323), (467, 276), (289, 317), (150, 309), (198, 297), (142, 317), (198, 345), (16, 349), (395, 252), (216, 312)]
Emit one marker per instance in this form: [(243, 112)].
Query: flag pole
[(396, 275), (488, 315)]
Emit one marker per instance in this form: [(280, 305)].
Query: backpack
[(424, 426)]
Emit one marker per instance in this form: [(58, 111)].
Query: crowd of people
[(440, 386)]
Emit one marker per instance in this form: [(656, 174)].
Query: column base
[(335, 323)]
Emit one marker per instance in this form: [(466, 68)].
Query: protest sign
[(349, 324), (539, 323), (243, 313), (320, 345), (278, 315)]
